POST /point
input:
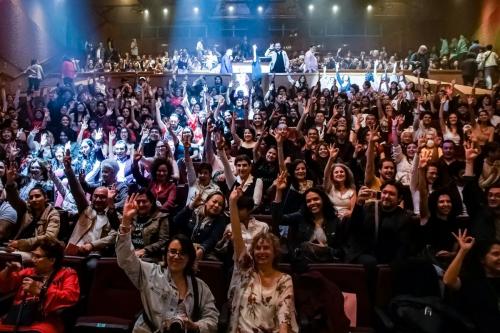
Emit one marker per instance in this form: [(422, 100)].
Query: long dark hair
[(328, 210), (188, 249), (291, 171)]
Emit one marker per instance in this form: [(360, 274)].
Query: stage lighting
[(311, 7), (231, 9), (146, 12), (196, 10), (165, 11), (260, 9), (369, 8), (335, 8)]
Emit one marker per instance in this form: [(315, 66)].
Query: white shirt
[(94, 234), (310, 62), (254, 228)]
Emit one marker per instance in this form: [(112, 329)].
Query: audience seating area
[(111, 303)]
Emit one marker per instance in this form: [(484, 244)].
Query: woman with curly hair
[(159, 181)]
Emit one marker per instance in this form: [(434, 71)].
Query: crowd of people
[(371, 174), (474, 59)]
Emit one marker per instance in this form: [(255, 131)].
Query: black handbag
[(24, 313)]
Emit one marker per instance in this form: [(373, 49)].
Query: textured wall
[(24, 34)]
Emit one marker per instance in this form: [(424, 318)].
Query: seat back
[(384, 290), (112, 293), (212, 273), (351, 279)]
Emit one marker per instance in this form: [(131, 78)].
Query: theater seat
[(212, 273), (384, 285), (113, 302), (351, 279)]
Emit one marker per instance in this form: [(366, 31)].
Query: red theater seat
[(212, 273), (351, 279), (113, 302)]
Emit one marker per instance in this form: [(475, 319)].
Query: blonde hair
[(273, 240)]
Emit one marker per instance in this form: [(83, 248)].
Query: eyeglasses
[(174, 252)]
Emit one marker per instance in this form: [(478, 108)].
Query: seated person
[(261, 296), (204, 224), (36, 219), (109, 172), (478, 286), (96, 228), (380, 230), (167, 293), (8, 217), (160, 182), (55, 287), (315, 233), (201, 184), (150, 227)]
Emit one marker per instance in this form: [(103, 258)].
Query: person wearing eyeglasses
[(47, 283), (172, 297)]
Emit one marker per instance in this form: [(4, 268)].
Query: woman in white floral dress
[(261, 296)]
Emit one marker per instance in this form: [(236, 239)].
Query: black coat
[(301, 229), (396, 234)]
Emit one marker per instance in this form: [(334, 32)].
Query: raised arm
[(238, 243), (12, 192), (451, 277), (370, 157), (327, 183), (442, 123), (191, 173), (160, 122), (236, 137), (74, 185), (228, 174)]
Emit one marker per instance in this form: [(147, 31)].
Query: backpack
[(429, 314)]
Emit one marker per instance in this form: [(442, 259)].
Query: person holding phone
[(380, 231), (47, 285)]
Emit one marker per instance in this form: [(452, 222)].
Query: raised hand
[(197, 200), (333, 151), (137, 155), (281, 181), (364, 194), (424, 159), (235, 194), (98, 134), (471, 153), (129, 210), (67, 159), (374, 136), (464, 242), (112, 136), (112, 195)]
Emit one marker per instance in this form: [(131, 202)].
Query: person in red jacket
[(57, 287)]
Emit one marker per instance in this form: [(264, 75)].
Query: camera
[(175, 325)]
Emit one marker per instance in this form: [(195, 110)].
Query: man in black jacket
[(380, 230)]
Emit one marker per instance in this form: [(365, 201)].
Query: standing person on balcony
[(68, 72), (35, 76), (279, 59)]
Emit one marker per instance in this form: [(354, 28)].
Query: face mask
[(430, 143)]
